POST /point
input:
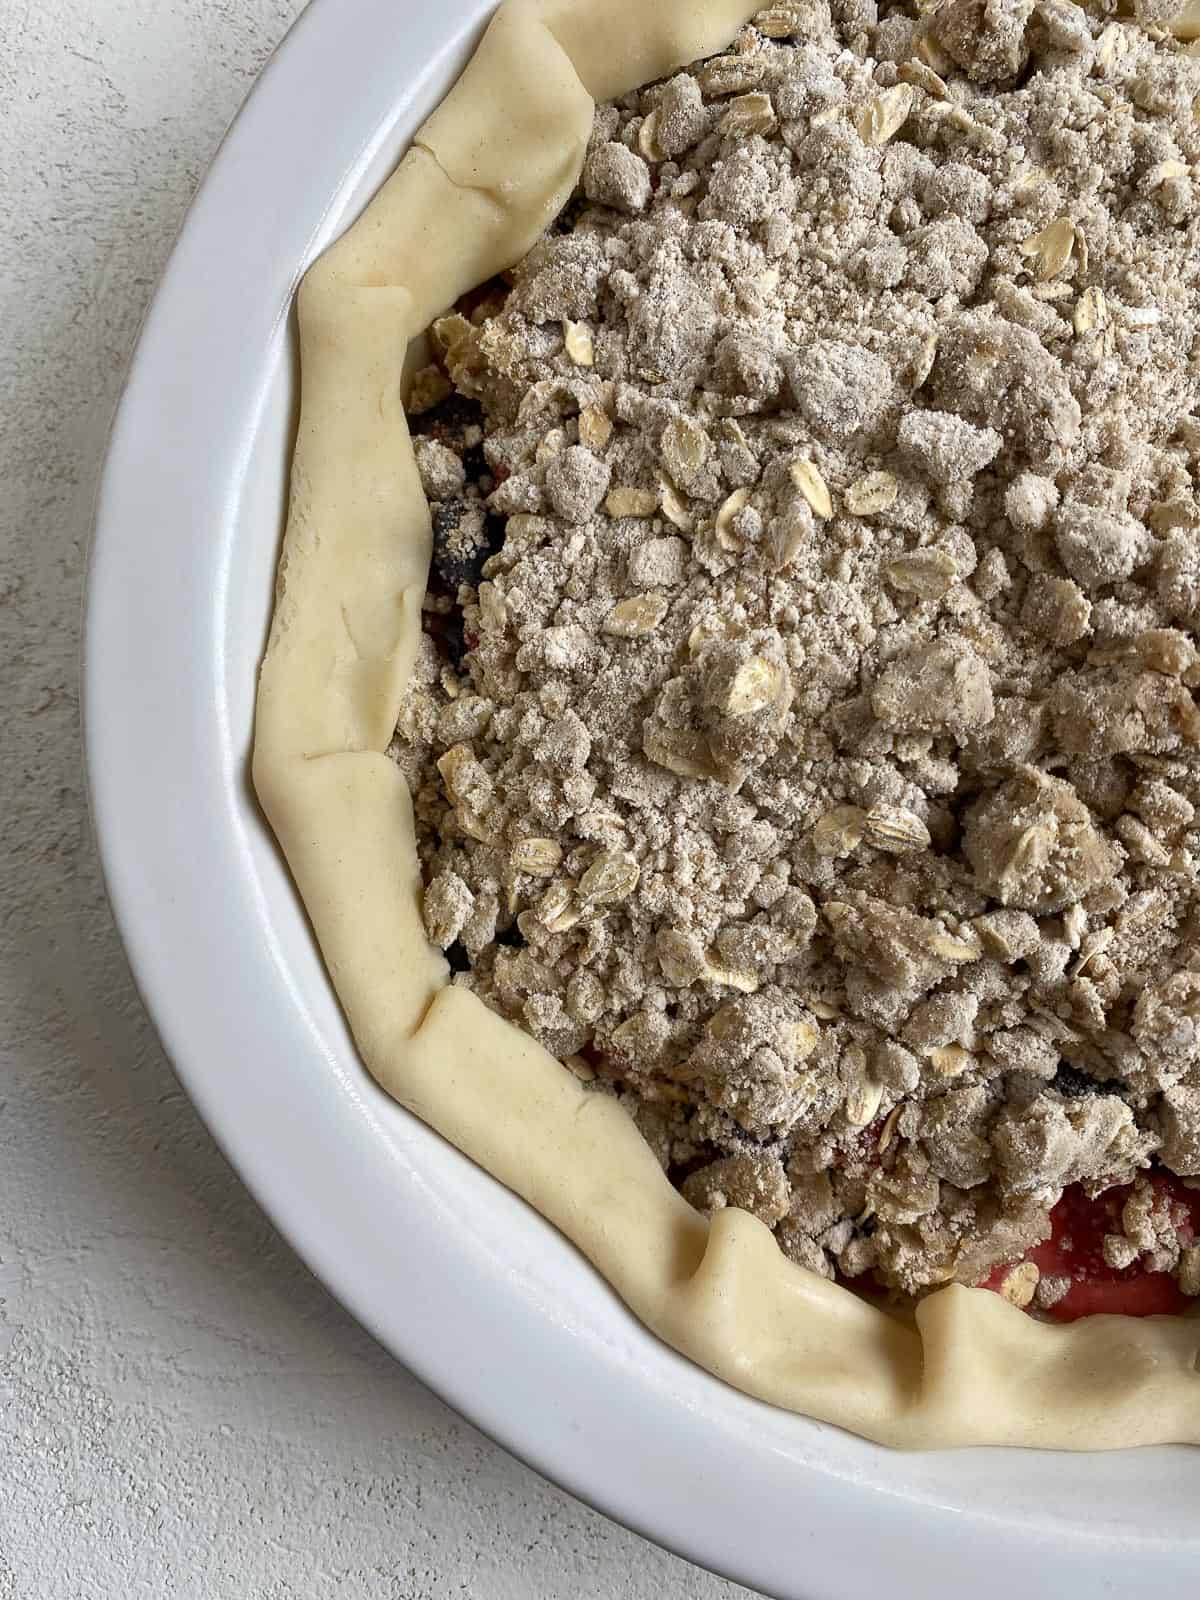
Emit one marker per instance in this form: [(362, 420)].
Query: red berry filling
[(1075, 1252)]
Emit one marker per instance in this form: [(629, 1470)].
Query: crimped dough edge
[(486, 173)]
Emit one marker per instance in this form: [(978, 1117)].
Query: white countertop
[(183, 1410)]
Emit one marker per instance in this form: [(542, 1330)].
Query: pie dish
[(460, 1280), (487, 172)]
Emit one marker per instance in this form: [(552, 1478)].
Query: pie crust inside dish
[(489, 170)]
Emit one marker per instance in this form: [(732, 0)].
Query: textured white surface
[(183, 1410)]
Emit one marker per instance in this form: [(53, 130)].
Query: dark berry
[(458, 958), (451, 638), (464, 536), (448, 421), (1075, 1085), (474, 462), (570, 214)]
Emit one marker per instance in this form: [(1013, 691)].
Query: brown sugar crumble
[(804, 742)]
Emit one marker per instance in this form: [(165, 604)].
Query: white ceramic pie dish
[(460, 1279)]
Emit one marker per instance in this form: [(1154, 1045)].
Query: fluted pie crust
[(485, 175)]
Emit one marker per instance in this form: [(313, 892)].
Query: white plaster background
[(183, 1409)]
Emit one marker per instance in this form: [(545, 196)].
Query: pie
[(852, 976)]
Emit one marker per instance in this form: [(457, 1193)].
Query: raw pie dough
[(486, 174)]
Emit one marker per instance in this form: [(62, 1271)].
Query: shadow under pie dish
[(349, 653)]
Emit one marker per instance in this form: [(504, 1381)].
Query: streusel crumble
[(805, 745)]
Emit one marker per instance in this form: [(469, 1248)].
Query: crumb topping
[(804, 742)]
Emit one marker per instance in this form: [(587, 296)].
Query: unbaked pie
[(765, 666)]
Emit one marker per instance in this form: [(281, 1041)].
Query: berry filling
[(1082, 1270)]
